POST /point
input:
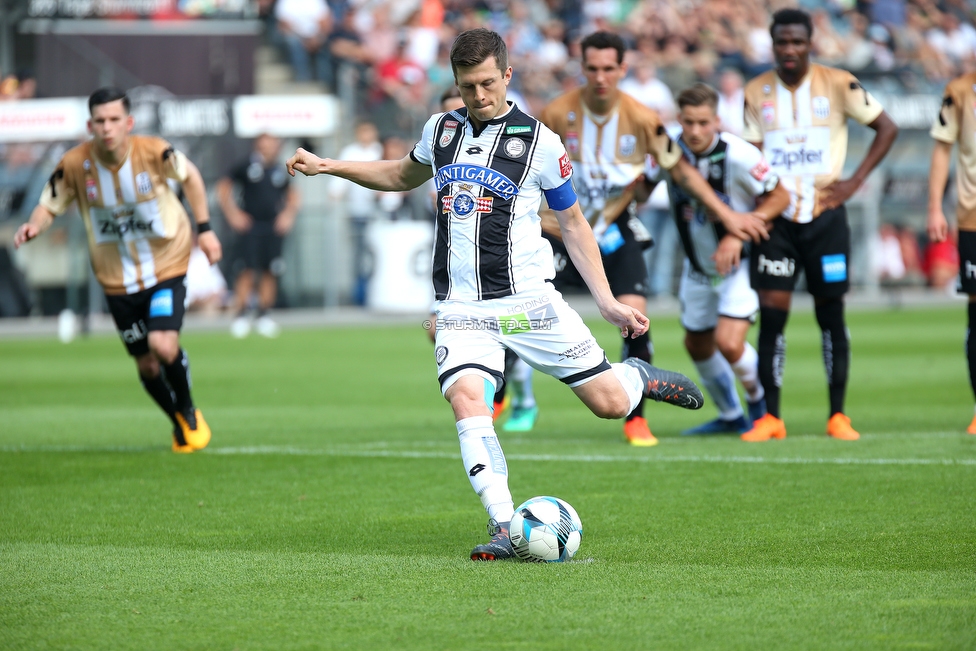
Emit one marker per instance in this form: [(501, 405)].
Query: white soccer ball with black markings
[(545, 530)]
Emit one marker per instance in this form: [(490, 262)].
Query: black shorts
[(967, 262), (261, 248), (821, 248), (624, 266), (157, 308)]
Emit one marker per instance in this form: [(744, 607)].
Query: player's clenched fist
[(305, 162), (25, 233)]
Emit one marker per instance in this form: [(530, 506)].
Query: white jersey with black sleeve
[(738, 173), (490, 182)]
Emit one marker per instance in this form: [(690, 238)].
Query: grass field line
[(570, 458)]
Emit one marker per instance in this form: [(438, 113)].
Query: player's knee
[(612, 405), (699, 346), (148, 366), (731, 347), (164, 348)]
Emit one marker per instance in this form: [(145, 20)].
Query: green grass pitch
[(331, 510)]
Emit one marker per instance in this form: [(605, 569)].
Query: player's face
[(699, 124), (791, 47), (602, 72), (110, 126), (483, 89)]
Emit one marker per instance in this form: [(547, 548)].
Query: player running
[(717, 303), (139, 238), (797, 114), (956, 122), (492, 164), (608, 135)]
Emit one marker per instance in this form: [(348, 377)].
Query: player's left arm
[(861, 106), (196, 196)]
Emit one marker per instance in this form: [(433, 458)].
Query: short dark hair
[(106, 95), (698, 95), (791, 17), (604, 41), (474, 46)]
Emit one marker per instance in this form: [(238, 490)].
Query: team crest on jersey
[(440, 354), (143, 183), (821, 108), (447, 134), (464, 204), (514, 147), (572, 142), (628, 144), (768, 112), (91, 190)]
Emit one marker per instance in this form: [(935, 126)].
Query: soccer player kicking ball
[(797, 114), (139, 238), (491, 165), (956, 122), (717, 303)]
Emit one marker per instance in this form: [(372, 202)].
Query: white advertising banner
[(285, 115), (39, 120)]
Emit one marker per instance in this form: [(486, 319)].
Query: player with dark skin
[(791, 49)]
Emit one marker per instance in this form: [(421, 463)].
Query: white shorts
[(538, 325), (704, 299)]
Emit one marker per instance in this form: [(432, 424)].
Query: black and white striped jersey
[(738, 173), (488, 240)]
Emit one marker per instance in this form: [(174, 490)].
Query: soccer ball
[(545, 530)]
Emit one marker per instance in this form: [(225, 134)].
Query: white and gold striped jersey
[(956, 123), (803, 130), (609, 152), (138, 232)]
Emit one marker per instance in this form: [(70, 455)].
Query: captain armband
[(562, 197)]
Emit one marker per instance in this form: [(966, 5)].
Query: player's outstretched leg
[(671, 387)]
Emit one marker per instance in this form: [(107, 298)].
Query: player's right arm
[(55, 199), (40, 220), (937, 226), (382, 175), (945, 132)]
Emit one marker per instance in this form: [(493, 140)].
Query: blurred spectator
[(400, 96), (941, 263), (263, 217), (644, 86), (304, 26), (829, 47), (889, 266), (360, 202), (859, 51), (952, 39), (676, 68), (8, 88), (731, 101), (347, 51)]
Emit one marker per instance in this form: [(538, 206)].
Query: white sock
[(484, 463), (719, 380), (519, 378), (747, 370), (630, 379)]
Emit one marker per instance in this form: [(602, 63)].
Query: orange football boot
[(839, 427), (638, 433), (767, 427)]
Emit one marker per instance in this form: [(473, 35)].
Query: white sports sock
[(719, 380), (630, 379), (519, 378), (484, 463), (747, 370)]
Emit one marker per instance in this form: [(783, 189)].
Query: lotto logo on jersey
[(464, 204), (565, 166)]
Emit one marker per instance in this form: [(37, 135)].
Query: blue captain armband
[(562, 197)]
